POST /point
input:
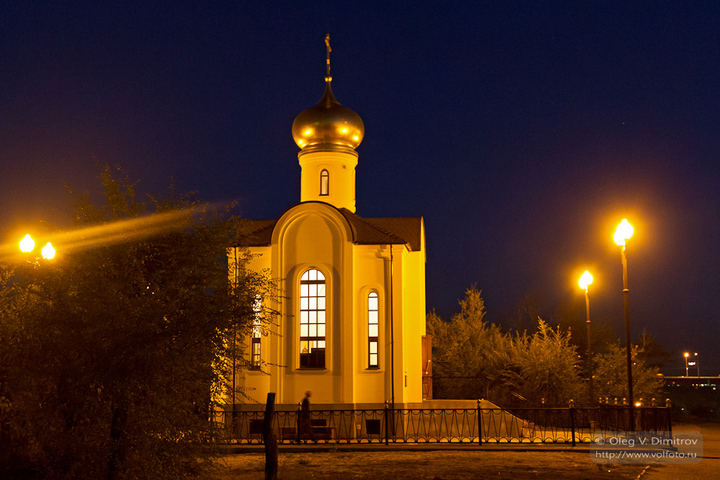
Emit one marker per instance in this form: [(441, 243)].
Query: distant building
[(695, 396), (351, 289)]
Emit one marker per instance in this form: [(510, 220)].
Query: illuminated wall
[(314, 235)]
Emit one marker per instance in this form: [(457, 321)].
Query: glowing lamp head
[(27, 244), (623, 232), (48, 252), (687, 354), (585, 280)]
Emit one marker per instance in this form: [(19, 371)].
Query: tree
[(543, 367), (611, 376), (469, 353), (112, 355), (475, 359)]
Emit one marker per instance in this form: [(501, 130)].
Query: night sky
[(522, 132)]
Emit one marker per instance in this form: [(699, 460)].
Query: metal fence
[(444, 425)]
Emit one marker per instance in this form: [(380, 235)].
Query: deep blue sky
[(522, 132)]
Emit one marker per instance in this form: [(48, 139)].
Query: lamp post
[(585, 280), (691, 363), (623, 232)]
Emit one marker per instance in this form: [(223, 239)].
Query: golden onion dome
[(328, 124)]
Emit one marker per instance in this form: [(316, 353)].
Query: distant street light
[(623, 232), (693, 363), (27, 245), (585, 280)]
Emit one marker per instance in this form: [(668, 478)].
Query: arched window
[(373, 308), (324, 183), (256, 333), (312, 319)]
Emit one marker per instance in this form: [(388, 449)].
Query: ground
[(428, 464)]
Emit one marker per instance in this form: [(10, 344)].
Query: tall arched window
[(324, 183), (256, 333), (312, 319), (373, 308)]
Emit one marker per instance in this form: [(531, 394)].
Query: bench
[(320, 431), (323, 433), (289, 433)]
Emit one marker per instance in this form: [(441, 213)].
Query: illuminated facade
[(351, 290)]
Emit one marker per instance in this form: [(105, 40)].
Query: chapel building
[(351, 290)]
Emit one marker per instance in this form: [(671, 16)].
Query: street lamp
[(27, 245), (623, 232), (585, 280), (694, 363)]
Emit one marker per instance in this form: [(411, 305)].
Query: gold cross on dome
[(327, 46)]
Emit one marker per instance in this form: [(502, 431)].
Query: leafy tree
[(111, 355), (469, 353), (611, 376), (475, 359), (543, 367)]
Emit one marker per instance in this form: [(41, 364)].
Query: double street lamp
[(27, 245), (623, 232), (585, 280)]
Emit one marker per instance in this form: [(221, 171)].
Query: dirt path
[(430, 465)]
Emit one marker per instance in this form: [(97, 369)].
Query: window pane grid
[(373, 329), (312, 319)]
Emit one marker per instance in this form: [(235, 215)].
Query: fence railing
[(443, 425)]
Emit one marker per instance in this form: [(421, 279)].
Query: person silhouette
[(304, 423)]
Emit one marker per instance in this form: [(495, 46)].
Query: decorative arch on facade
[(323, 210), (295, 251)]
